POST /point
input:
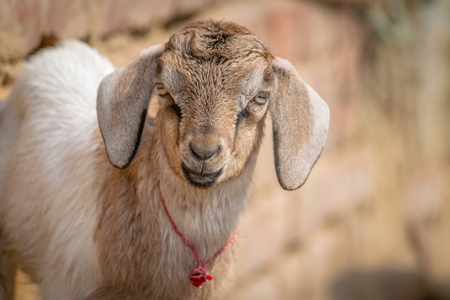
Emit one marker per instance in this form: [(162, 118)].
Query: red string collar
[(199, 274)]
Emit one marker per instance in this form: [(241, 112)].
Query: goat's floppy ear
[(300, 125), (122, 103)]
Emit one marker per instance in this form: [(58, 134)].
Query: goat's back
[(48, 125), (58, 86)]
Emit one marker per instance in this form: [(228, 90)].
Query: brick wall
[(370, 223)]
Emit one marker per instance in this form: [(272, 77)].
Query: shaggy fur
[(83, 229)]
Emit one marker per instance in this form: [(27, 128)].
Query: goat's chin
[(201, 179)]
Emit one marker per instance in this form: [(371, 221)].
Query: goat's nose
[(204, 152)]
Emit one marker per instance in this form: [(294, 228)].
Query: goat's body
[(81, 228)]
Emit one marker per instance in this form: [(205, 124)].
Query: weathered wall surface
[(372, 220)]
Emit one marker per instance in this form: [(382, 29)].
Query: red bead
[(199, 276)]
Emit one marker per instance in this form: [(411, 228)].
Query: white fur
[(56, 102)]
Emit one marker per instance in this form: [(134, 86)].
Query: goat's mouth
[(200, 179)]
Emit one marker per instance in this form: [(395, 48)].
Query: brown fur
[(140, 264)]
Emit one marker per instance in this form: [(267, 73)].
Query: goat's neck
[(206, 217)]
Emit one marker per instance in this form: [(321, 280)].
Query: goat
[(84, 184)]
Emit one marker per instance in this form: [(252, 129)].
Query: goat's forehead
[(217, 73), (173, 62)]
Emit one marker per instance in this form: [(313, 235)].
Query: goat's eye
[(262, 97), (161, 89)]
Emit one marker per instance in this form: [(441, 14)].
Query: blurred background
[(373, 220)]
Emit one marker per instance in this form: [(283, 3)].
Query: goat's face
[(214, 85), (215, 82)]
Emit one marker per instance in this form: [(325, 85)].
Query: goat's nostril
[(204, 153)]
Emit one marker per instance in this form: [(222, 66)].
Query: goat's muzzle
[(201, 179)]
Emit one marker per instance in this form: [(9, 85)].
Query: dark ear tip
[(291, 181), (120, 166), (286, 188), (290, 186), (119, 162)]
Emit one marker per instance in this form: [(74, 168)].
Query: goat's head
[(215, 82)]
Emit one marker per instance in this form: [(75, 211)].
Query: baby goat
[(100, 201)]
